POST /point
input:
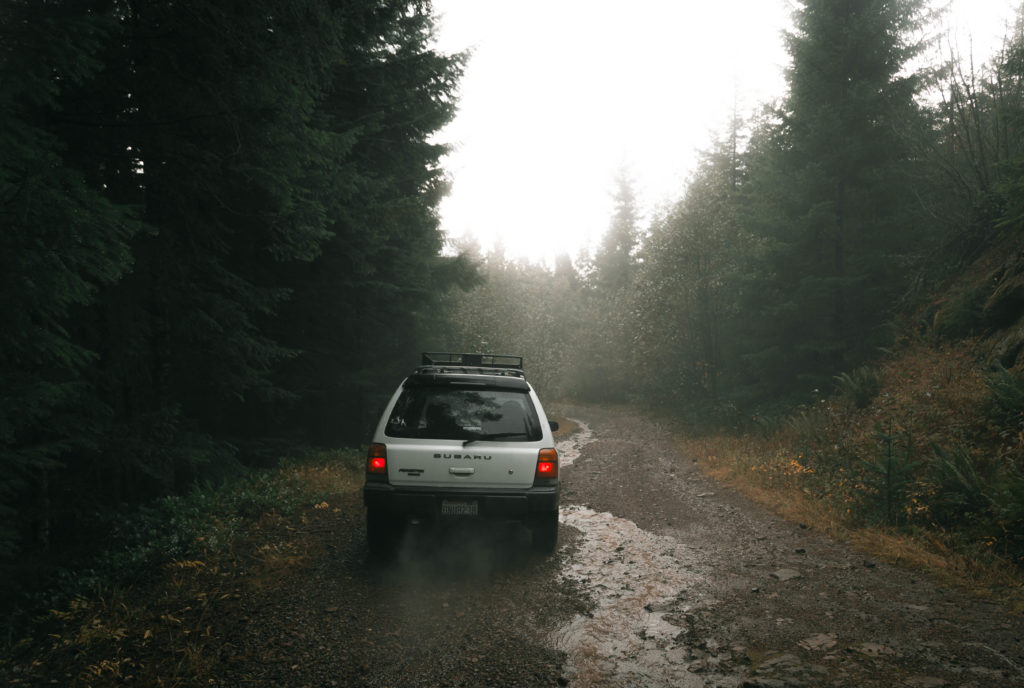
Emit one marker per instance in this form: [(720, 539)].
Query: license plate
[(451, 507)]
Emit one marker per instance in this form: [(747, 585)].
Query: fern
[(860, 387), (1006, 402)]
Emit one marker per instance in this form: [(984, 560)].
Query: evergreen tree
[(211, 210), (526, 310), (605, 368), (359, 314), (62, 239), (686, 290), (837, 209), (217, 103), (1007, 88), (614, 261), (973, 134)]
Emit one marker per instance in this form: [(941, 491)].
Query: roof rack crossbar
[(434, 358), (471, 364)]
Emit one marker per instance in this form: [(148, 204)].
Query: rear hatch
[(486, 465), (463, 431)]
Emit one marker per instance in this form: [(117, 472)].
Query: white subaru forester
[(463, 437)]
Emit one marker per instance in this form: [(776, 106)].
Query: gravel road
[(662, 578), (723, 593)]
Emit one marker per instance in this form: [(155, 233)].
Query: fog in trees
[(802, 233)]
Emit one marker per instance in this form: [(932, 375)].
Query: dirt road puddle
[(641, 585), (569, 450)]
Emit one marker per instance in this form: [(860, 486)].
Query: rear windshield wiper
[(492, 436)]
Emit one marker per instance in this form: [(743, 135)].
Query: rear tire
[(544, 529), (383, 533)]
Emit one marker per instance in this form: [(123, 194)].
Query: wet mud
[(639, 583), (688, 584)]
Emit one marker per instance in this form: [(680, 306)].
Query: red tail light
[(547, 464), (377, 459)]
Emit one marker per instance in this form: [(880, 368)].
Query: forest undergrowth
[(919, 460), (151, 607)]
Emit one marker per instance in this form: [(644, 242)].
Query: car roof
[(429, 377)]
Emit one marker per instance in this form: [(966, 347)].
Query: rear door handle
[(456, 470)]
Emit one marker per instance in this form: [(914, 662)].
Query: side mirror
[(554, 426)]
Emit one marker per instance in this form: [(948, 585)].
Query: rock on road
[(662, 578)]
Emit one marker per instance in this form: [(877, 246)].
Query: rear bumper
[(426, 502)]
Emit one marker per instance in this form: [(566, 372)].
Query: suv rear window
[(464, 413)]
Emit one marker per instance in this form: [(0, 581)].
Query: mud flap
[(383, 532), (544, 531)]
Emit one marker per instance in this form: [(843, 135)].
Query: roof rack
[(487, 364)]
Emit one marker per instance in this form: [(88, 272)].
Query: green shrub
[(1009, 514), (1006, 402), (808, 430), (859, 387), (198, 524), (962, 316), (960, 487)]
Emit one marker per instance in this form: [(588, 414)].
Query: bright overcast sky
[(560, 95)]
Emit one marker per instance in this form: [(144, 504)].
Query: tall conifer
[(837, 209)]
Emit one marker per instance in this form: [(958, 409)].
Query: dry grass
[(923, 551), (806, 469), (327, 473)]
